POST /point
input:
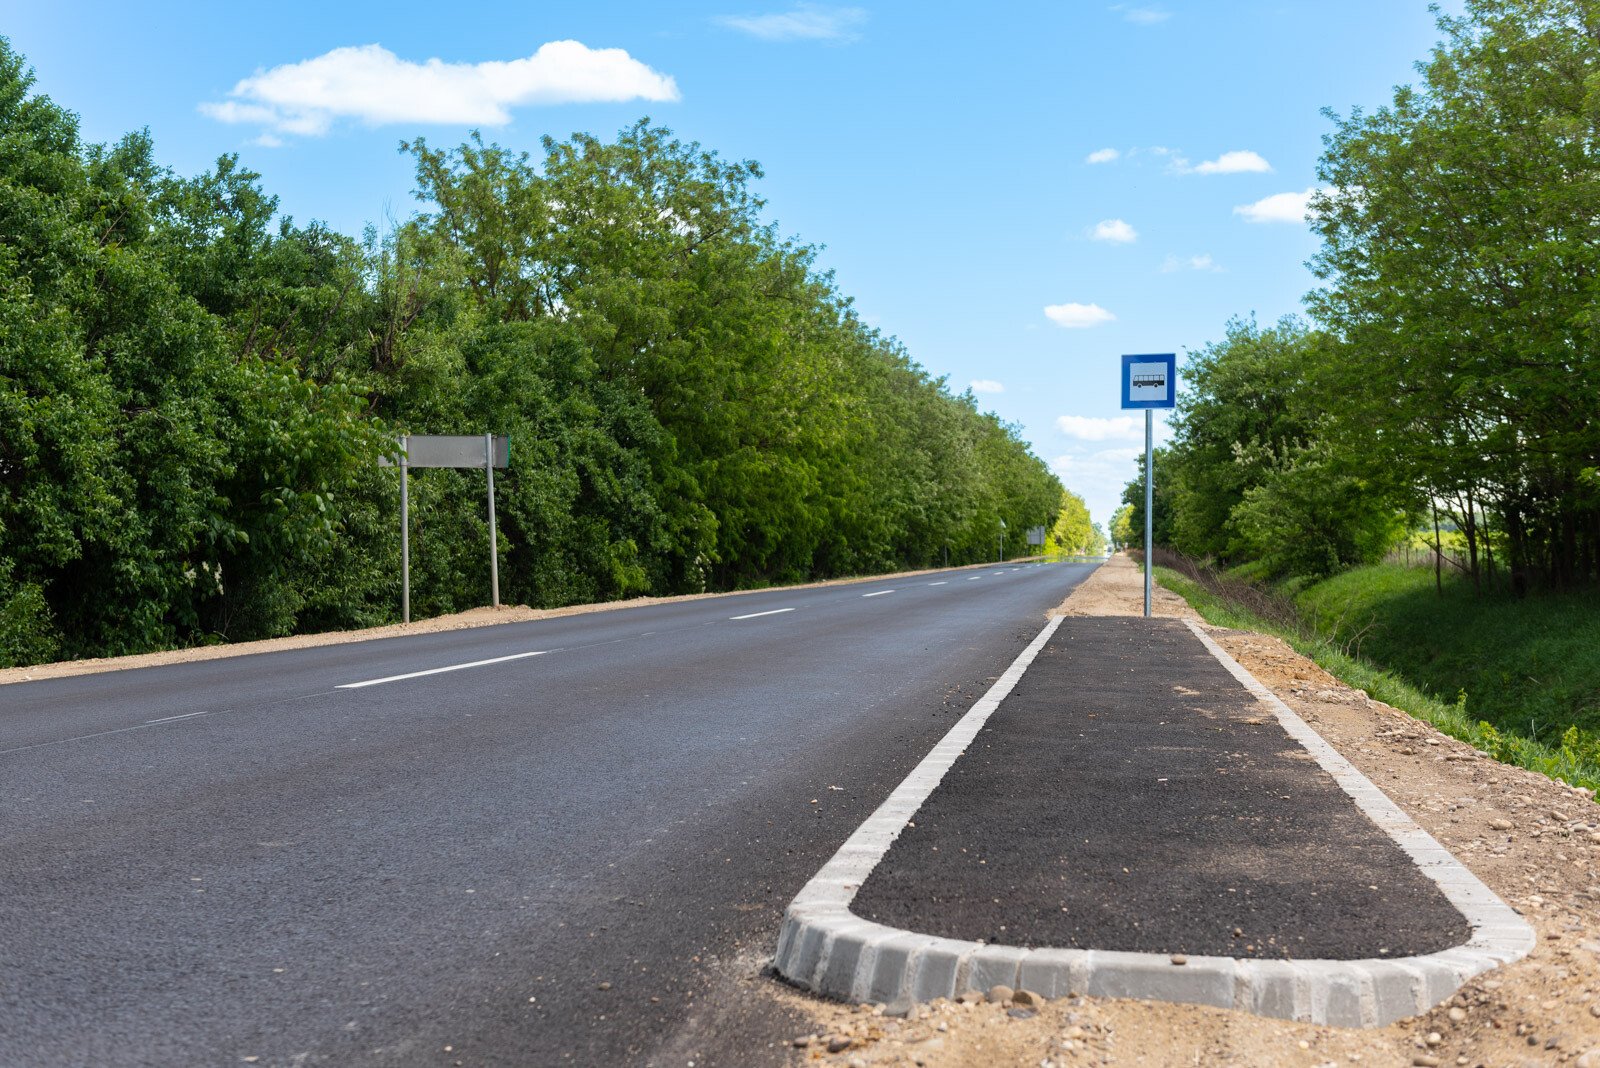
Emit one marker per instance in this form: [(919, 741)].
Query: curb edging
[(826, 948)]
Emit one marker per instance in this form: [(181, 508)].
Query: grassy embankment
[(1519, 680)]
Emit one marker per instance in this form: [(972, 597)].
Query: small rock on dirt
[(1499, 825), (999, 994), (1027, 999), (838, 1043)]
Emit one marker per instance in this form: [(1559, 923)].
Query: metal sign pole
[(446, 450), (1149, 504), (405, 534), (494, 543), (1149, 381)]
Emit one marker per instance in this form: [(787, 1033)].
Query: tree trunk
[(1472, 540), (1488, 548), (1517, 544), (1569, 549), (1438, 555)]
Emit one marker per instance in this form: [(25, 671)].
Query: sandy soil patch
[(1535, 842), (476, 617), (1117, 589)]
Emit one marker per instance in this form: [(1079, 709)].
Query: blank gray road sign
[(446, 450), (452, 450), (1036, 535)]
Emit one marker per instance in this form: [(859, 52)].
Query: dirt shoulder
[(476, 617), (1534, 841)]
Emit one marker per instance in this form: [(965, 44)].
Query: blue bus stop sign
[(1150, 381)]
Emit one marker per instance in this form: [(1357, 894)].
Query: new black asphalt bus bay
[(237, 858), (1131, 794)]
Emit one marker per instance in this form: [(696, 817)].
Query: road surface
[(438, 849)]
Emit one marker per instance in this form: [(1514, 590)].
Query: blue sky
[(941, 152)]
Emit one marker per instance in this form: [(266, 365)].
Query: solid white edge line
[(757, 615), (438, 670), (823, 904), (825, 947), (880, 593), (169, 719)]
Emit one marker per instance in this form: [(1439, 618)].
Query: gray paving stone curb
[(826, 948)]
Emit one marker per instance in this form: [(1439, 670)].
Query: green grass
[(1377, 629), (1529, 665)]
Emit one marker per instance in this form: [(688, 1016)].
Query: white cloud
[(1202, 262), (1235, 163), (1094, 428), (1142, 16), (1103, 155), (372, 85), (1077, 316), (1099, 475), (807, 22), (986, 385), (1115, 231), (1177, 162), (1240, 162), (1278, 208)]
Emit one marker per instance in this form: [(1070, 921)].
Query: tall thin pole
[(494, 543), (405, 532), (1149, 504)]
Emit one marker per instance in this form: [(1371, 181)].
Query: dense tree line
[(195, 393), (1074, 533), (1451, 373)]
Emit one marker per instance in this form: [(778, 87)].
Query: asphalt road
[(252, 858), (1131, 794)]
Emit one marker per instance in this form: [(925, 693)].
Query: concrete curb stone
[(826, 948)]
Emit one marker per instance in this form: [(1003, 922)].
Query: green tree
[(1161, 517), (195, 390), (1123, 535), (1236, 415), (1074, 533), (1460, 253)]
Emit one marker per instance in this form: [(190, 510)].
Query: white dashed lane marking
[(438, 670), (757, 615)]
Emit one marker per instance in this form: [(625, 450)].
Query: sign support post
[(1149, 382), (1149, 502), (494, 542), (445, 450), (405, 533)]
